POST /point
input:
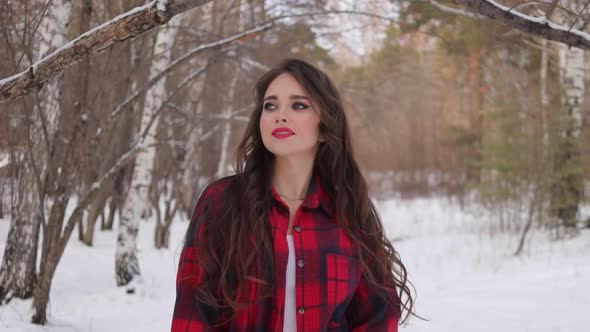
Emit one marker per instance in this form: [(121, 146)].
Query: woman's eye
[(299, 106), (268, 105)]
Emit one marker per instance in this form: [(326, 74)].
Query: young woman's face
[(290, 122)]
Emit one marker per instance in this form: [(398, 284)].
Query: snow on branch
[(127, 25), (452, 10), (538, 26)]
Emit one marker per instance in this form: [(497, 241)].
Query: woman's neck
[(291, 176)]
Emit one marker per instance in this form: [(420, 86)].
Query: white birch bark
[(533, 25), (127, 25), (566, 190), (17, 273), (572, 77), (227, 126), (126, 260)]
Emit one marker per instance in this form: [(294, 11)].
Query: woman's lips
[(282, 135), (282, 132)]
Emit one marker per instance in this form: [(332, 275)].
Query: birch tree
[(58, 228), (229, 114), (191, 164), (125, 26), (227, 126), (18, 272), (553, 20), (511, 15), (567, 188), (126, 260), (226, 132), (196, 172)]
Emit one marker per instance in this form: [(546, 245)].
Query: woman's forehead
[(285, 85)]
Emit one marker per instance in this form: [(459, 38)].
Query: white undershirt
[(290, 321)]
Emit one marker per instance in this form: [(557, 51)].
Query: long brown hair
[(240, 241)]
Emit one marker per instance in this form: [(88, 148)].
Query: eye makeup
[(296, 106)]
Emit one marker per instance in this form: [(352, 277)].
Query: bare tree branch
[(189, 55), (119, 29), (537, 26), (453, 10), (125, 158)]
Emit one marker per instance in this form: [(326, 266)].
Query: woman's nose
[(280, 116)]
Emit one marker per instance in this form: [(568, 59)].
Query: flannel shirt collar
[(316, 197)]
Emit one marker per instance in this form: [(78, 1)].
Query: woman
[(291, 242)]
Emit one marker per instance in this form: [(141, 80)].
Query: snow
[(464, 272), (468, 280), (4, 159), (161, 5), (84, 296), (453, 10)]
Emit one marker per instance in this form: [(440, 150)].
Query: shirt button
[(300, 263), (301, 310), (297, 229)]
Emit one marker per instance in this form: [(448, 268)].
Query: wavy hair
[(240, 240)]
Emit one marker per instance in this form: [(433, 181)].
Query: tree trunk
[(94, 210), (17, 274), (49, 258), (527, 227), (191, 166), (227, 126), (58, 167), (162, 235), (126, 261), (108, 225), (80, 77), (81, 230), (566, 189), (162, 231), (543, 91), (545, 121), (234, 68), (475, 112), (512, 17), (18, 270), (117, 30), (41, 298)]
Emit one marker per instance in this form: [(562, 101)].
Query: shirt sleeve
[(369, 310), (190, 315)]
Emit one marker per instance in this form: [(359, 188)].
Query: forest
[(468, 117)]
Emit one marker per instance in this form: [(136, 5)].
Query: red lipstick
[(283, 132)]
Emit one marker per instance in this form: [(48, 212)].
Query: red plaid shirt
[(331, 292)]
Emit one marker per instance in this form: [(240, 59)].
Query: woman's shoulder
[(216, 189)]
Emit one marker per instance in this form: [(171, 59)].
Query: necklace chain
[(291, 199)]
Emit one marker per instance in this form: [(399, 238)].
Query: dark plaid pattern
[(331, 292)]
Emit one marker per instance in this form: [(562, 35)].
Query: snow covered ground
[(466, 280)]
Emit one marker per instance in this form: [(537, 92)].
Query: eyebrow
[(273, 97)]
